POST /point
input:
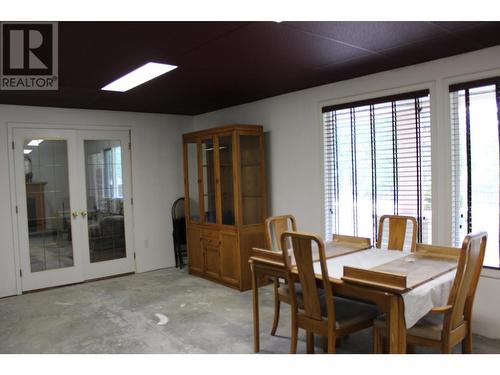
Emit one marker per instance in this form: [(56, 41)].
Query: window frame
[(445, 129), (373, 104), (436, 136), (460, 85)]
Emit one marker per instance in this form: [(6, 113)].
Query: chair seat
[(429, 327), (347, 312)]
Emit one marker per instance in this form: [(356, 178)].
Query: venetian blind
[(377, 160), (475, 122)]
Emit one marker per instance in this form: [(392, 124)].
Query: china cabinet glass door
[(193, 181), (226, 179), (252, 188), (208, 173)]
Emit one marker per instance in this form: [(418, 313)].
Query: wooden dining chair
[(274, 227), (446, 326), (314, 308), (397, 231)]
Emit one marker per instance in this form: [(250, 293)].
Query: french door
[(73, 205)]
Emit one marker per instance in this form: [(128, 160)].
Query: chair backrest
[(275, 226), (178, 209), (351, 240), (464, 286), (397, 231), (302, 251)]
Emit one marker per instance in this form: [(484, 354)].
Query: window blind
[(377, 160), (475, 136)]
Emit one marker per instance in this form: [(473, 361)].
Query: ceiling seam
[(335, 40)]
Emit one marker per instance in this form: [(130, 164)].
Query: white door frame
[(12, 182)]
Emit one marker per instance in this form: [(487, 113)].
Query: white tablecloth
[(418, 302)]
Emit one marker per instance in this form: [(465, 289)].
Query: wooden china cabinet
[(226, 203)]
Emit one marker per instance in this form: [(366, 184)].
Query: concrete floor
[(118, 316)]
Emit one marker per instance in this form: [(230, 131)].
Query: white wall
[(295, 160), (156, 176)]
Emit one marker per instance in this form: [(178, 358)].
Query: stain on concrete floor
[(119, 316)]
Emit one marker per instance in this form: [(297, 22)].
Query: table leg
[(402, 326), (396, 327), (255, 290)]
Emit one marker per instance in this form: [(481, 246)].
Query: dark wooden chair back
[(274, 228), (464, 286), (302, 251), (397, 231)]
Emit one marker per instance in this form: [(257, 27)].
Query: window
[(377, 157), (475, 122)]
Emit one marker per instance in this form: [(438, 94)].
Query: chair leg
[(276, 308), (294, 338), (445, 347), (378, 341), (176, 252), (331, 344), (467, 343), (325, 344), (310, 343)]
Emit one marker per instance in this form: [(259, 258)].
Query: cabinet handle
[(74, 214), (83, 213)]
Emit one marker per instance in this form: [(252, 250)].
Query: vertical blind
[(475, 123), (377, 161)]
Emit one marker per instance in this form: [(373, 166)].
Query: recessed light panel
[(139, 76)]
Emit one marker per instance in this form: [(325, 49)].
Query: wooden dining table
[(383, 285)]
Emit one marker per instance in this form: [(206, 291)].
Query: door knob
[(75, 214), (83, 213)]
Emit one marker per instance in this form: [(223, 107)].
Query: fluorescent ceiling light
[(139, 76), (35, 142), (26, 151)]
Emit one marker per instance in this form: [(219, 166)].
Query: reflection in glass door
[(47, 203), (104, 187)]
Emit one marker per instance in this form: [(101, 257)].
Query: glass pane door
[(48, 224), (207, 160), (74, 199), (104, 190), (106, 216), (47, 202)]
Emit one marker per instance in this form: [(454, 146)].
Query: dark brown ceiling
[(227, 63)]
